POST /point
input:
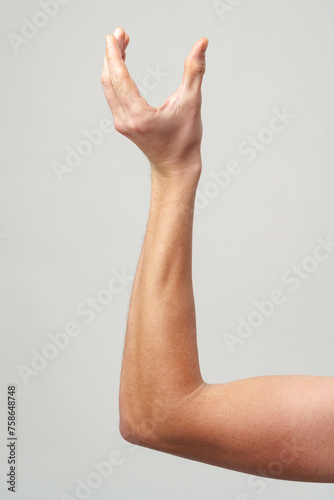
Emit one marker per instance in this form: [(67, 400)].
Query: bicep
[(275, 426)]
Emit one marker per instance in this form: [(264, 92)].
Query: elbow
[(158, 424), (141, 422), (127, 431), (141, 431)]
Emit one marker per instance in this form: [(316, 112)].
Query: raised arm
[(274, 426)]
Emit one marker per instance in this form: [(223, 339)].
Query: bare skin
[(274, 426)]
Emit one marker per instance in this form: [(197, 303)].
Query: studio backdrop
[(73, 211)]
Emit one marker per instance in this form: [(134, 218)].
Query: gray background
[(61, 239)]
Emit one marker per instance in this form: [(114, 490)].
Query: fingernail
[(109, 39), (205, 46)]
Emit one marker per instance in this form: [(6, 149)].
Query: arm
[(275, 426)]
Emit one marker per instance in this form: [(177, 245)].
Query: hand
[(170, 135)]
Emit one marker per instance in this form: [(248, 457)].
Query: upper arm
[(275, 426)]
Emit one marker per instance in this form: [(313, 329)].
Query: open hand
[(170, 135)]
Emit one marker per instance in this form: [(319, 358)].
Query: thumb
[(194, 66)]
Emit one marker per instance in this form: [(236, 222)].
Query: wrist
[(182, 182), (177, 173), (174, 196)]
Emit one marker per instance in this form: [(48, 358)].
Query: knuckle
[(195, 65), (135, 122), (120, 126), (201, 68), (117, 84), (105, 80)]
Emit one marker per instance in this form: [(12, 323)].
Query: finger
[(123, 40), (194, 66), (125, 88), (109, 89), (119, 33), (126, 43)]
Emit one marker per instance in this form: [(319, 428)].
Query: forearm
[(160, 360)]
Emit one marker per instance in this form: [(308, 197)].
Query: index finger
[(125, 88)]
